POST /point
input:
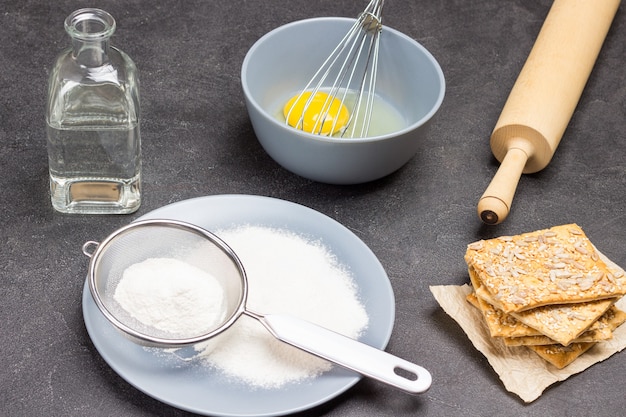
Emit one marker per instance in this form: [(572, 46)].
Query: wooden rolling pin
[(544, 97)]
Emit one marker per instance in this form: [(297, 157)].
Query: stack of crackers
[(548, 291)]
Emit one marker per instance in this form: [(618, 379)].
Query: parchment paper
[(521, 370)]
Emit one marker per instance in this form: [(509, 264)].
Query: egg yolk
[(321, 106)]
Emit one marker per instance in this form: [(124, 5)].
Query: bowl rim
[(398, 133)]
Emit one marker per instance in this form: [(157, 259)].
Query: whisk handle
[(349, 353)]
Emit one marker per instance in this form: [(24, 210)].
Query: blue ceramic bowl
[(281, 63)]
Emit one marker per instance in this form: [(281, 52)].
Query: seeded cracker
[(515, 333), (561, 356), (499, 323), (565, 323), (601, 330), (551, 266), (561, 323), (590, 336)]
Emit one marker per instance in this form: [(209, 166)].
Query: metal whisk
[(348, 74)]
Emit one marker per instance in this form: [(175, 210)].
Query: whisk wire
[(357, 51), (321, 75), (369, 77), (348, 65)]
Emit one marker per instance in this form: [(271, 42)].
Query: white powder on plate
[(287, 274), (171, 296)]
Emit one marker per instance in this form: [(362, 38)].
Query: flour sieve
[(159, 238)]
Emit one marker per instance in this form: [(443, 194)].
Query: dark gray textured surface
[(197, 141)]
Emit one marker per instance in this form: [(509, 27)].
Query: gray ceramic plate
[(195, 388)]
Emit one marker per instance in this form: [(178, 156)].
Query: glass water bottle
[(92, 116)]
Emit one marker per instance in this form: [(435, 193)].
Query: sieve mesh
[(148, 239)]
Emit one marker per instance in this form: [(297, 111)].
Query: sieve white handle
[(349, 353)]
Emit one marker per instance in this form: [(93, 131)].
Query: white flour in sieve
[(172, 296), (291, 275)]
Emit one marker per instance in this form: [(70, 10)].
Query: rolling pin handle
[(495, 203)]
